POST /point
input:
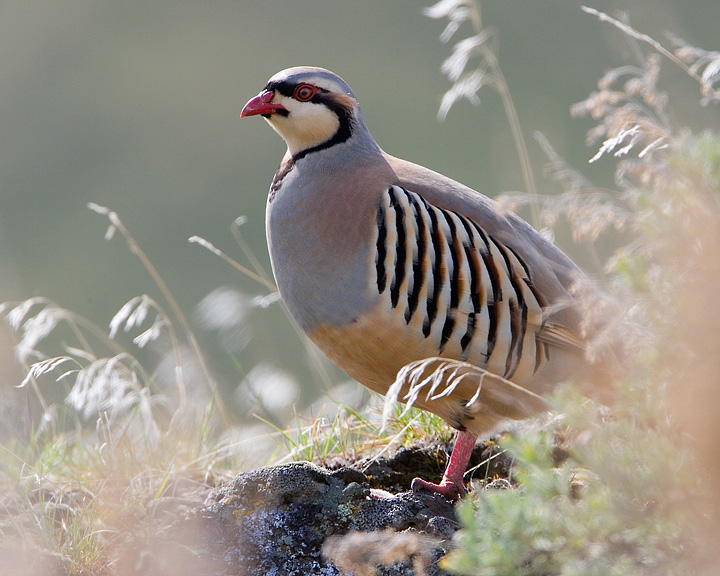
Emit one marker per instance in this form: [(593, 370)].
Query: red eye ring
[(304, 93)]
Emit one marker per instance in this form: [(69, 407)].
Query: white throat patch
[(307, 124)]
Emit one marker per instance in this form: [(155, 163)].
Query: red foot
[(451, 486), (447, 488)]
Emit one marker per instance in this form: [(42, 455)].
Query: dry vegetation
[(636, 493)]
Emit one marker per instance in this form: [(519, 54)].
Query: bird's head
[(311, 108)]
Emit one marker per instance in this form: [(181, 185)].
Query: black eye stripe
[(288, 89)]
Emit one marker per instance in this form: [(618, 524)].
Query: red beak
[(261, 104)]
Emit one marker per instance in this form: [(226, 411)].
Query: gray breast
[(320, 242)]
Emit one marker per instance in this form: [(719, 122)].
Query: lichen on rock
[(276, 520)]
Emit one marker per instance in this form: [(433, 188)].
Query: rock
[(275, 521), (294, 519)]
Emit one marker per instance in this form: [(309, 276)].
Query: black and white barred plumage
[(454, 284)]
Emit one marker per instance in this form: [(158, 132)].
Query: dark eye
[(304, 92)]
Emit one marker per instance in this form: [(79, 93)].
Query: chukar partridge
[(383, 262)]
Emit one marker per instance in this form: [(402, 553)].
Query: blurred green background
[(134, 105)]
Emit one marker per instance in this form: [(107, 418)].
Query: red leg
[(452, 485)]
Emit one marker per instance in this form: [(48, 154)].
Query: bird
[(387, 265)]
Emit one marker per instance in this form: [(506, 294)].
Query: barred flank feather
[(456, 285)]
